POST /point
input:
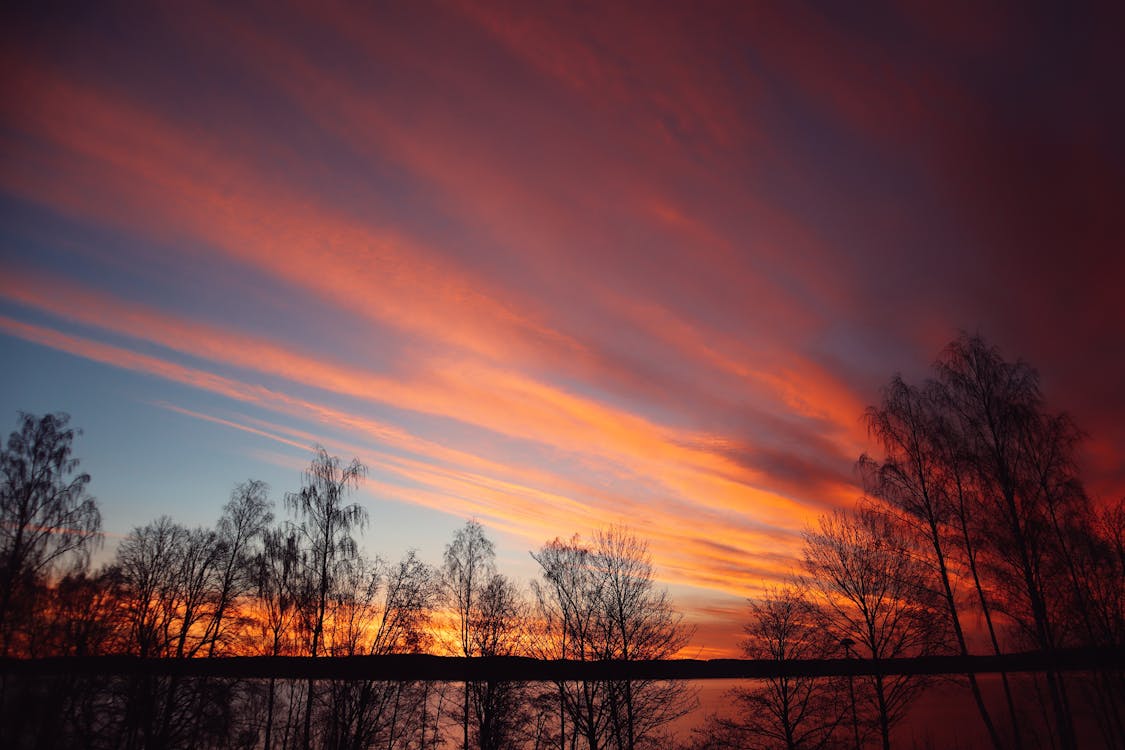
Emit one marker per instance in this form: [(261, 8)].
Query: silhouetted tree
[(986, 476), (568, 601), (245, 519), (223, 579), (324, 529), (274, 571), (1106, 574), (877, 595), (377, 609), (601, 602), (968, 519), (46, 516), (79, 616), (145, 560), (1020, 459), (169, 585), (791, 712), (911, 478), (469, 562), (500, 621), (1096, 565), (76, 617), (639, 623)]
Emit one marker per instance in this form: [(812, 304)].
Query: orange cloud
[(129, 167), (567, 421), (527, 506), (502, 401)]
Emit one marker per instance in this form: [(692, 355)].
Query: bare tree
[(46, 515), (568, 602), (146, 559), (878, 596), (791, 712), (498, 629), (469, 562), (169, 585), (601, 602), (999, 417), (987, 476), (969, 521), (1104, 576), (274, 570), (409, 594), (77, 617), (220, 577), (324, 529), (1106, 572), (245, 518), (639, 623), (80, 617), (911, 478), (377, 609)]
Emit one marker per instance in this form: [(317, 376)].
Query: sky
[(549, 265)]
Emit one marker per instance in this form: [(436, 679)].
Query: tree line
[(974, 533), (301, 586), (974, 517)]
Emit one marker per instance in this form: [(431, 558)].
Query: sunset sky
[(552, 266)]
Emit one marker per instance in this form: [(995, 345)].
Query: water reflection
[(168, 712)]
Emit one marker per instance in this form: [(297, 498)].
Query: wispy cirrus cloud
[(533, 505), (560, 266)]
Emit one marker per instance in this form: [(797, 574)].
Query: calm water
[(943, 717)]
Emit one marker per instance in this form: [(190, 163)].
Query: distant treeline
[(975, 534), (433, 668)]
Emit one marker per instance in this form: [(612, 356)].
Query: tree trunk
[(884, 718), (935, 538), (970, 553), (269, 715), (465, 716)]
